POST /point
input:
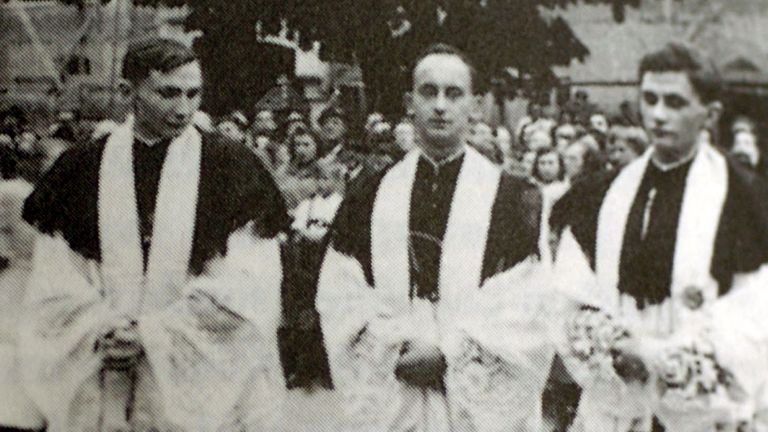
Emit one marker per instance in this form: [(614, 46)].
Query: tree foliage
[(385, 36)]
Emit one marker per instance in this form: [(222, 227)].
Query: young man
[(681, 223), (421, 289), (155, 294)]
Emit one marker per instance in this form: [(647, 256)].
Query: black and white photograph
[(383, 216)]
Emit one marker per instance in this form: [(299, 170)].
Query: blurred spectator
[(628, 114), (26, 141), (564, 136), (743, 124), (745, 149), (12, 122), (233, 128), (264, 123), (294, 121), (535, 121), (405, 138), (580, 108), (598, 122), (548, 166), (372, 120), (539, 139), (481, 139), (66, 127), (625, 144), (297, 178), (527, 163), (333, 131), (583, 158)]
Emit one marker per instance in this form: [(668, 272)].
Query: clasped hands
[(120, 345), (421, 365)]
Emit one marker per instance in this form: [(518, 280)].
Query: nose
[(440, 103), (659, 113), (185, 107)]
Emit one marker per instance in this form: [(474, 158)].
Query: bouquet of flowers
[(696, 393), (592, 335)]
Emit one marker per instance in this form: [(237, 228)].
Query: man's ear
[(408, 102), (714, 111)]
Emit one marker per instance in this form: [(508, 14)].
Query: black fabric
[(512, 236), (13, 429), (741, 242), (431, 198), (648, 250), (234, 190), (147, 168)]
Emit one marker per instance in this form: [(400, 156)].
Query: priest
[(430, 294), (676, 243), (154, 297)]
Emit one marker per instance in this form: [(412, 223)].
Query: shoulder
[(70, 183)]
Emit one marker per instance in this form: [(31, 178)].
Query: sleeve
[(222, 366), (363, 330), (260, 200), (64, 316)]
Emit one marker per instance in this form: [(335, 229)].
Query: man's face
[(599, 123), (305, 148), (334, 128), (165, 102), (231, 131), (264, 122), (673, 114), (564, 136), (573, 159), (442, 100)]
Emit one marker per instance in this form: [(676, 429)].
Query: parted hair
[(155, 54), (677, 57)]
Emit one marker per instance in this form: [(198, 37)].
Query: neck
[(664, 158)]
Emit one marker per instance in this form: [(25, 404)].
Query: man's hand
[(211, 316), (631, 357), (120, 346), (421, 365)]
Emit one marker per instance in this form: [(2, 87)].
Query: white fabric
[(705, 192), (731, 319), (122, 260), (504, 322), (193, 377)]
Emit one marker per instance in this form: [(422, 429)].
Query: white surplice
[(192, 378), (494, 334), (732, 319)]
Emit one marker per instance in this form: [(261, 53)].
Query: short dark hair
[(442, 48), (155, 54), (677, 57)]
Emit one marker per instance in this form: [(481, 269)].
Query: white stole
[(705, 192), (122, 267), (464, 242)]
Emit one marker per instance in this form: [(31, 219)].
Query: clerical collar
[(666, 167), (150, 142), (445, 161)]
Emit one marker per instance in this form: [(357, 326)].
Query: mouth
[(439, 123)]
